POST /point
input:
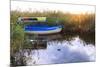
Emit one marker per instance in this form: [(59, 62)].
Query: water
[(70, 50)]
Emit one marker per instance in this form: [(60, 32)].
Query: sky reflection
[(62, 52)]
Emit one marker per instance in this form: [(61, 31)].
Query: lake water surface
[(69, 50)]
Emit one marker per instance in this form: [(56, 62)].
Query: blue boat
[(42, 29), (38, 27)]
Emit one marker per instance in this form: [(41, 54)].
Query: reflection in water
[(88, 38), (64, 51)]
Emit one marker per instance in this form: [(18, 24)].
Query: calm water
[(67, 49)]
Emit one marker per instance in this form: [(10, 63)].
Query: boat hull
[(57, 30)]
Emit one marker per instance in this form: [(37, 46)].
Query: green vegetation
[(17, 36)]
